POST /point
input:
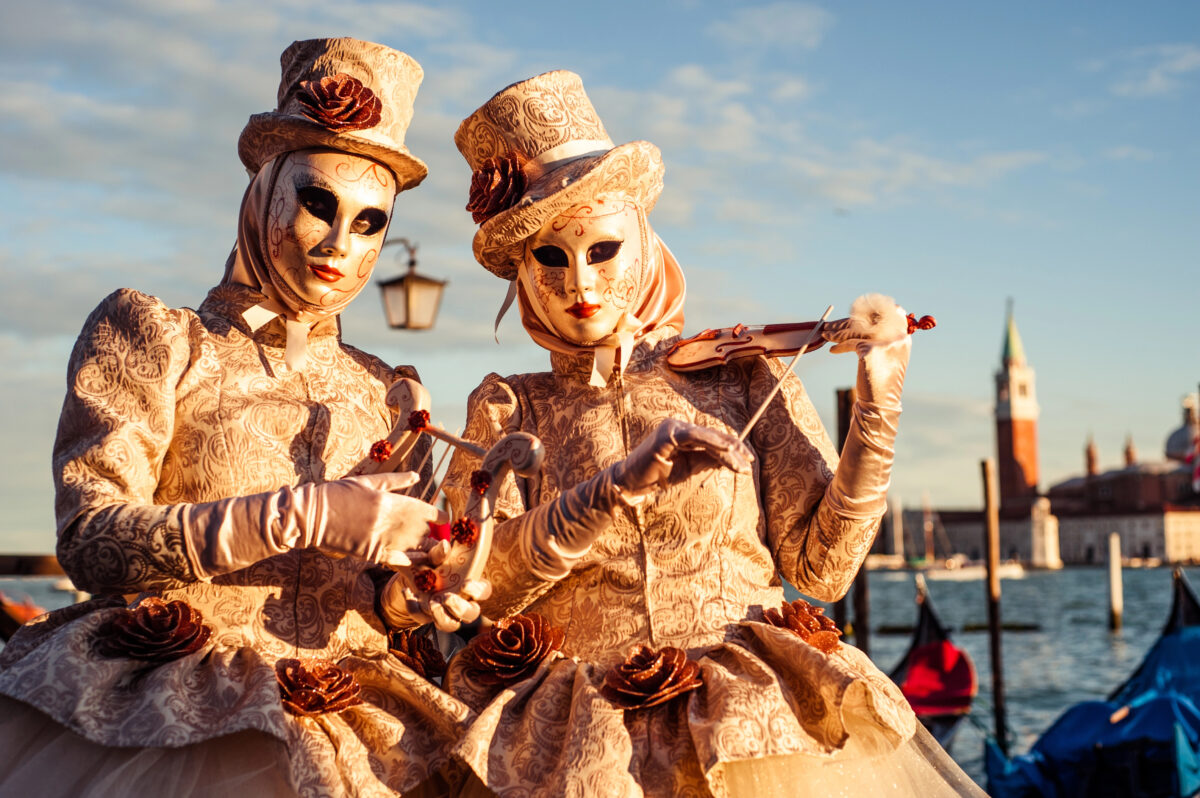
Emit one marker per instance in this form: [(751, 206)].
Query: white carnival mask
[(327, 218), (584, 269)]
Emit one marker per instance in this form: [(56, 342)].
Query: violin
[(456, 552), (872, 318)]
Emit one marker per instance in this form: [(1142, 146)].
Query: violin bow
[(762, 408)]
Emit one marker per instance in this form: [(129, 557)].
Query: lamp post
[(411, 300)]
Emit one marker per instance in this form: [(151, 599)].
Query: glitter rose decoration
[(465, 531), (481, 480), (807, 621), (648, 678), (428, 580), (512, 649), (495, 186), (418, 652), (155, 631), (340, 103), (381, 450), (315, 686)]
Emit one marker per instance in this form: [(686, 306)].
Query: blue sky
[(949, 154)]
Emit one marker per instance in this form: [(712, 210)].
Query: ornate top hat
[(344, 94), (537, 148)]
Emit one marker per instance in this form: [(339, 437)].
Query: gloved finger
[(442, 619), (394, 558), (720, 446), (457, 607), (846, 346), (477, 589), (438, 552), (390, 481)]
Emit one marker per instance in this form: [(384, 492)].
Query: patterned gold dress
[(692, 568), (167, 407)]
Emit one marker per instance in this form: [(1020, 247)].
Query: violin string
[(412, 491), (434, 481)]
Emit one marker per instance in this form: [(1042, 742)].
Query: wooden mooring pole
[(991, 537), (1116, 596)]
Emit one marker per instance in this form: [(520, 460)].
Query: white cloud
[(1156, 71), (1129, 152), (790, 89), (872, 171), (776, 25)]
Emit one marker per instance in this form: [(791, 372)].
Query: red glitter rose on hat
[(155, 631), (340, 103), (313, 687), (647, 678), (496, 186), (418, 652), (512, 649), (808, 622)]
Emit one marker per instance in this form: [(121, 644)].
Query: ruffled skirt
[(774, 717)]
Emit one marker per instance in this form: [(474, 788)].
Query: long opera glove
[(860, 484), (556, 535), (362, 517)]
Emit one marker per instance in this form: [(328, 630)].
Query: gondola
[(1142, 742), (936, 676)]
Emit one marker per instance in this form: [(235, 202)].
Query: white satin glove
[(402, 608), (556, 535), (673, 452), (882, 358), (364, 517), (860, 484)]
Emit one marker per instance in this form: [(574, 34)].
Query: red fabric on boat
[(940, 679)]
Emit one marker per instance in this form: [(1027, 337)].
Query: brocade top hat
[(536, 149), (344, 94)]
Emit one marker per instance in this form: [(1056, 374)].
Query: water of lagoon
[(1072, 657)]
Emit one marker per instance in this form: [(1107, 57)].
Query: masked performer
[(201, 464), (680, 671)]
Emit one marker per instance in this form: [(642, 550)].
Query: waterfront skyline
[(949, 156)]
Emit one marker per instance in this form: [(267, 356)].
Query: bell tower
[(1016, 423)]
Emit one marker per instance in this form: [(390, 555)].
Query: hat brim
[(634, 170), (270, 134)]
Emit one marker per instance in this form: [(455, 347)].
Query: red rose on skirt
[(313, 687), (155, 631), (808, 622), (512, 649), (648, 678), (418, 652)]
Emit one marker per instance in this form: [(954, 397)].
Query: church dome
[(1179, 442)]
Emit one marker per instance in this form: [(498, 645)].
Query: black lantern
[(411, 300)]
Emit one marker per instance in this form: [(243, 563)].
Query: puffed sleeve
[(116, 424), (816, 548), (493, 411)]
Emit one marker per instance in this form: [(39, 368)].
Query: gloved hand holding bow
[(556, 535)]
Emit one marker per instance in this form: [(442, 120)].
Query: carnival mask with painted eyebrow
[(584, 267), (328, 215)]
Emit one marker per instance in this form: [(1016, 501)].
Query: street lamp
[(411, 300)]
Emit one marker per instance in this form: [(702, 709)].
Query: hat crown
[(546, 119), (391, 75), (344, 94)]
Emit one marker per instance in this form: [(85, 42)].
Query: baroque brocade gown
[(170, 406), (692, 568)]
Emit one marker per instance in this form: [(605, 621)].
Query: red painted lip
[(326, 273), (582, 310)]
